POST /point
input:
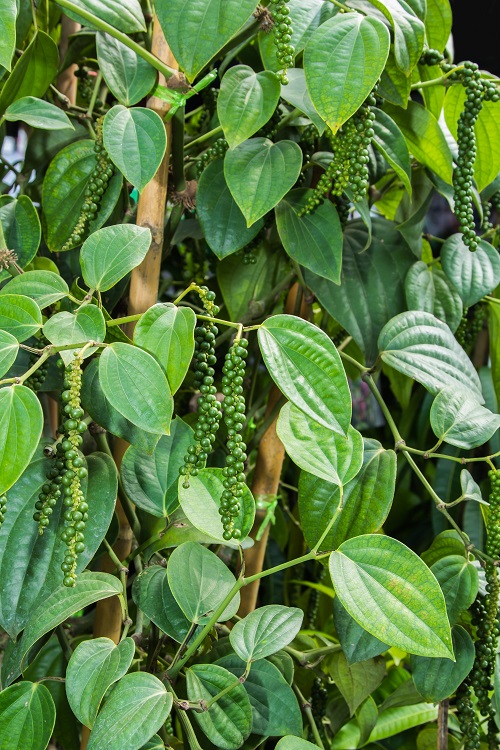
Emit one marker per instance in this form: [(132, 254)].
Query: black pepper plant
[(249, 449)]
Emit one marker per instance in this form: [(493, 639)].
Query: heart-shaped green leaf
[(21, 424), (19, 316), (314, 240), (390, 141), (458, 419), (459, 583), (421, 346), (430, 290), (307, 368), (33, 72), (259, 173), (151, 592), (87, 324), (246, 102), (94, 666), (129, 77), (438, 21), (392, 594), (45, 287), (134, 383), (21, 228), (8, 37), (473, 274), (28, 716), (9, 347), (436, 679), (38, 114), (356, 681), (332, 456), (110, 253), (135, 140), (470, 488), (265, 631), (342, 61)]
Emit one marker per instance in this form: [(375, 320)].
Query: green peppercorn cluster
[(96, 187), (36, 380), (209, 98), (285, 52), (431, 57), (209, 408), (211, 154), (319, 700), (343, 206), (470, 325), (467, 717), (271, 127), (234, 418), (85, 83), (3, 508), (76, 508), (349, 166)]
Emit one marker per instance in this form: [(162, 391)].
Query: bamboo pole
[(266, 479)]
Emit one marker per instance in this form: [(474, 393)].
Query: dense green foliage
[(302, 293)]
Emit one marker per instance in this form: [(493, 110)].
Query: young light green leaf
[(28, 716), (151, 593), (295, 93), (167, 332), (129, 77), (459, 583), (473, 274), (198, 29), (128, 19), (265, 631), (446, 543), (357, 644), (314, 240), (275, 710), (144, 700), (152, 478), (430, 290), (110, 253), (86, 324), (135, 140), (356, 681), (457, 418), (21, 424), (438, 20), (19, 316), (9, 347), (367, 499), (470, 488), (221, 219), (390, 723), (246, 102), (259, 173), (38, 114), (21, 229), (347, 53), (33, 72), (134, 383), (391, 143), (307, 368), (89, 588), (63, 193), (421, 346), (200, 582), (436, 679), (392, 594), (8, 36), (426, 140), (332, 456), (228, 721), (94, 666), (201, 504), (295, 743), (45, 287)]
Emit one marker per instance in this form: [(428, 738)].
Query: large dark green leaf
[(135, 140), (86, 324), (167, 332), (200, 581), (197, 29), (223, 223), (45, 287), (201, 504), (8, 37), (334, 457), (436, 679), (21, 228), (19, 316), (430, 290), (38, 114), (151, 593), (265, 631), (94, 666), (128, 18), (129, 77), (63, 193), (346, 53), (28, 716), (457, 418), (259, 173), (356, 681), (275, 710), (421, 346), (152, 479), (459, 583), (371, 287), (246, 102), (392, 594), (134, 383), (228, 722), (367, 499), (136, 708), (30, 564), (110, 253), (307, 368), (104, 414), (357, 644), (390, 141), (314, 240), (473, 274), (426, 140), (21, 424), (33, 72)]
